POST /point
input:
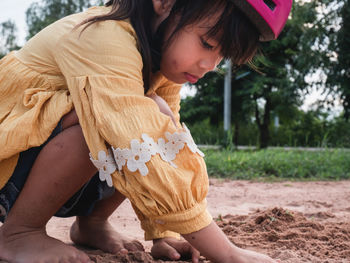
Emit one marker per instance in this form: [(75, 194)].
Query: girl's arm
[(170, 247), (210, 241), (213, 244)]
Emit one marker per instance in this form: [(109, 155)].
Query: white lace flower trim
[(105, 165), (140, 153)]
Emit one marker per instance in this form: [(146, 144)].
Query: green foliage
[(208, 102), (8, 40), (338, 80), (304, 129), (204, 133), (284, 62), (41, 14), (296, 129), (312, 129), (279, 164)]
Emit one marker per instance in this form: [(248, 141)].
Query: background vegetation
[(313, 51), (279, 164)]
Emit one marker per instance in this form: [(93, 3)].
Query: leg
[(61, 168), (95, 230)]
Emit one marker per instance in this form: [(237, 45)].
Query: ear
[(162, 7)]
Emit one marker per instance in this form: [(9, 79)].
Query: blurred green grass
[(279, 164)]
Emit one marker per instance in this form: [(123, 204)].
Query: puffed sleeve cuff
[(183, 222), (154, 233), (151, 229)]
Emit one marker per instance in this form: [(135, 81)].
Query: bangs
[(237, 36)]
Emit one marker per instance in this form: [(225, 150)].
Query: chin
[(174, 79), (180, 82)]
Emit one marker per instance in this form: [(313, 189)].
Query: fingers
[(185, 248), (174, 249), (164, 250), (195, 255)]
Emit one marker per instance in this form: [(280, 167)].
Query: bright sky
[(15, 10)]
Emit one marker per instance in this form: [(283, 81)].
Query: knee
[(71, 136), (70, 145)]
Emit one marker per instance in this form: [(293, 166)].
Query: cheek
[(174, 63), (169, 62)]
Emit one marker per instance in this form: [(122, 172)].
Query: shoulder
[(102, 34), (107, 43), (106, 48), (116, 28), (98, 35)]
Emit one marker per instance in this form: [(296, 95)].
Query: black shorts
[(80, 204)]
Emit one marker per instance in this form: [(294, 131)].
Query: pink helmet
[(269, 16)]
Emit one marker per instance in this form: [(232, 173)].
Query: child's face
[(190, 55)]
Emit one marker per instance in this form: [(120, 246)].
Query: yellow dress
[(135, 147)]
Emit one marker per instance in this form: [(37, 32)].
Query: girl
[(97, 92)]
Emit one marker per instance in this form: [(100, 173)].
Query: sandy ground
[(292, 221)]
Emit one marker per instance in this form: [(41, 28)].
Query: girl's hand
[(174, 249), (163, 106)]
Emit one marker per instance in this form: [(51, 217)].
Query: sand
[(291, 221)]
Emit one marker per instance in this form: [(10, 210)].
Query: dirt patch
[(281, 233), (136, 257), (289, 236), (292, 221)]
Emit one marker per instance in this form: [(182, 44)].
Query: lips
[(191, 78)]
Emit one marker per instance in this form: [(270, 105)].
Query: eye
[(206, 45)]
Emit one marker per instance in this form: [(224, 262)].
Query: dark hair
[(237, 36)]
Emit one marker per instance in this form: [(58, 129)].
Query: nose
[(209, 63)]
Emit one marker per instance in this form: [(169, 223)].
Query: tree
[(241, 103), (42, 14), (208, 101), (338, 80), (285, 62), (8, 40)]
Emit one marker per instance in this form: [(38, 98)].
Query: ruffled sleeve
[(135, 147)]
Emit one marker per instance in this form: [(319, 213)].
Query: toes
[(116, 248), (123, 251), (86, 259)]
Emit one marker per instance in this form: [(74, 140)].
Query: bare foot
[(100, 234), (34, 246)]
